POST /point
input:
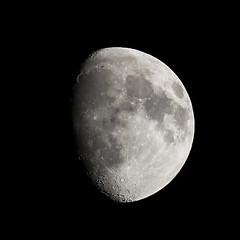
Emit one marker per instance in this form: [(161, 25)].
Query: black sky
[(192, 44)]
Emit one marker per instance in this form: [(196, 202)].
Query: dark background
[(54, 41), (189, 52)]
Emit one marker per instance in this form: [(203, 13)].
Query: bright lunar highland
[(133, 122)]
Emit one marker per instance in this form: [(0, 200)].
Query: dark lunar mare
[(98, 113), (157, 106), (178, 89), (90, 97), (138, 86)]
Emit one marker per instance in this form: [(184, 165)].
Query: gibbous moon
[(133, 122)]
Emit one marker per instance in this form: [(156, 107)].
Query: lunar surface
[(133, 122)]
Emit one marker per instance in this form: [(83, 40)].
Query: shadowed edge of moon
[(91, 92)]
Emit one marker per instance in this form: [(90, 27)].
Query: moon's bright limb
[(133, 122)]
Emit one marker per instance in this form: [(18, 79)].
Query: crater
[(91, 89), (177, 89), (116, 60), (157, 106), (138, 86)]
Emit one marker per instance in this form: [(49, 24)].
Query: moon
[(133, 123)]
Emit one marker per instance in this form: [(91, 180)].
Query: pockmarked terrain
[(133, 122)]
